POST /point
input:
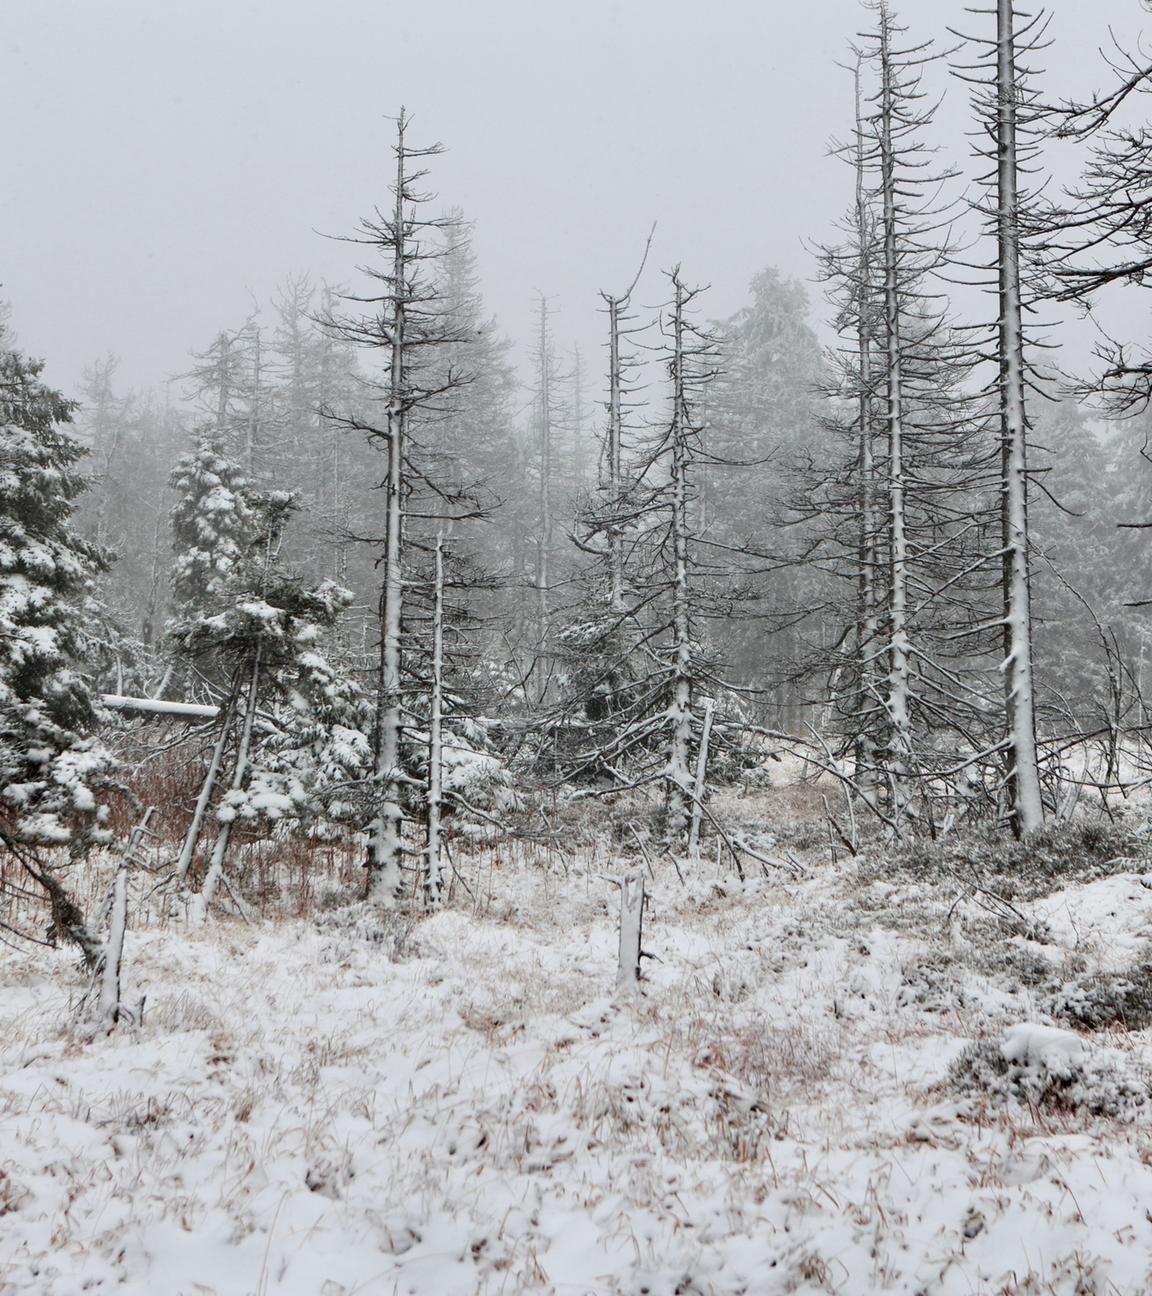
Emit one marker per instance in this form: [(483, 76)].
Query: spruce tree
[(52, 767)]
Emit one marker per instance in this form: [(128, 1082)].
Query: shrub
[(1105, 999), (1050, 1069)]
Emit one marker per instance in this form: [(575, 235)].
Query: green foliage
[(51, 768)]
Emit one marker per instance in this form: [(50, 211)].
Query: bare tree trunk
[(1025, 804), (225, 390), (199, 910), (867, 615), (108, 1002), (207, 787), (385, 848), (615, 464), (680, 710), (544, 503), (897, 689), (701, 782), (433, 862), (252, 428), (579, 470)]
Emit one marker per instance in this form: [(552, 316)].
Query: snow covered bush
[(1051, 1069), (1104, 999), (1082, 851), (289, 724), (477, 781), (311, 752)]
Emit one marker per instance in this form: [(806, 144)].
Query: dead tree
[(1011, 118), (1099, 235), (902, 515), (686, 349), (434, 813), (407, 321), (545, 437)]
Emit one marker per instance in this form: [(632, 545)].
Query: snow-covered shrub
[(477, 782), (1019, 870), (930, 983), (391, 929), (1013, 961), (315, 758), (1047, 1068), (473, 771), (1105, 999)]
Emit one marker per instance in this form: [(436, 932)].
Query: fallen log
[(157, 706)]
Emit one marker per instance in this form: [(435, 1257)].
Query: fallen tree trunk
[(157, 706)]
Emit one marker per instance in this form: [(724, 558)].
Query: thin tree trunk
[(544, 541), (108, 1010), (225, 345), (680, 711), (207, 787), (578, 465), (867, 617), (897, 694), (631, 932), (615, 459), (433, 862), (252, 429), (1025, 804), (386, 845), (701, 782), (199, 910), (108, 1002)]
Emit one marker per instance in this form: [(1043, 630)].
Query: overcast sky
[(169, 159)]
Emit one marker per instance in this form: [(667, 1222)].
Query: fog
[(170, 162), (471, 823)]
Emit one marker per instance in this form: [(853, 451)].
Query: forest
[(480, 816)]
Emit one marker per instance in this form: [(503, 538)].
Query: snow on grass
[(465, 1109)]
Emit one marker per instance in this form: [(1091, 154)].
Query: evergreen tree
[(52, 767), (763, 419), (214, 524)]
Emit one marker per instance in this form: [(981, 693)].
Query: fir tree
[(213, 526), (52, 767)]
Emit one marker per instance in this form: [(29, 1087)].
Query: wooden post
[(108, 1003), (631, 925), (108, 1011)]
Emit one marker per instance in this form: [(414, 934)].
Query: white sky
[(167, 159)]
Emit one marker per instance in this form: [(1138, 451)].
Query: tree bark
[(1025, 803), (207, 787), (385, 848), (680, 711), (199, 911), (433, 861), (897, 688)]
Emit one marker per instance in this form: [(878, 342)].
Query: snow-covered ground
[(462, 1107)]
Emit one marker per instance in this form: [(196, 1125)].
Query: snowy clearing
[(462, 1107)]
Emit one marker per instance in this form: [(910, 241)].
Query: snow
[(461, 1106), (1030, 1045), (1111, 919)]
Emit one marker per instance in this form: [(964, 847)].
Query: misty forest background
[(354, 580)]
